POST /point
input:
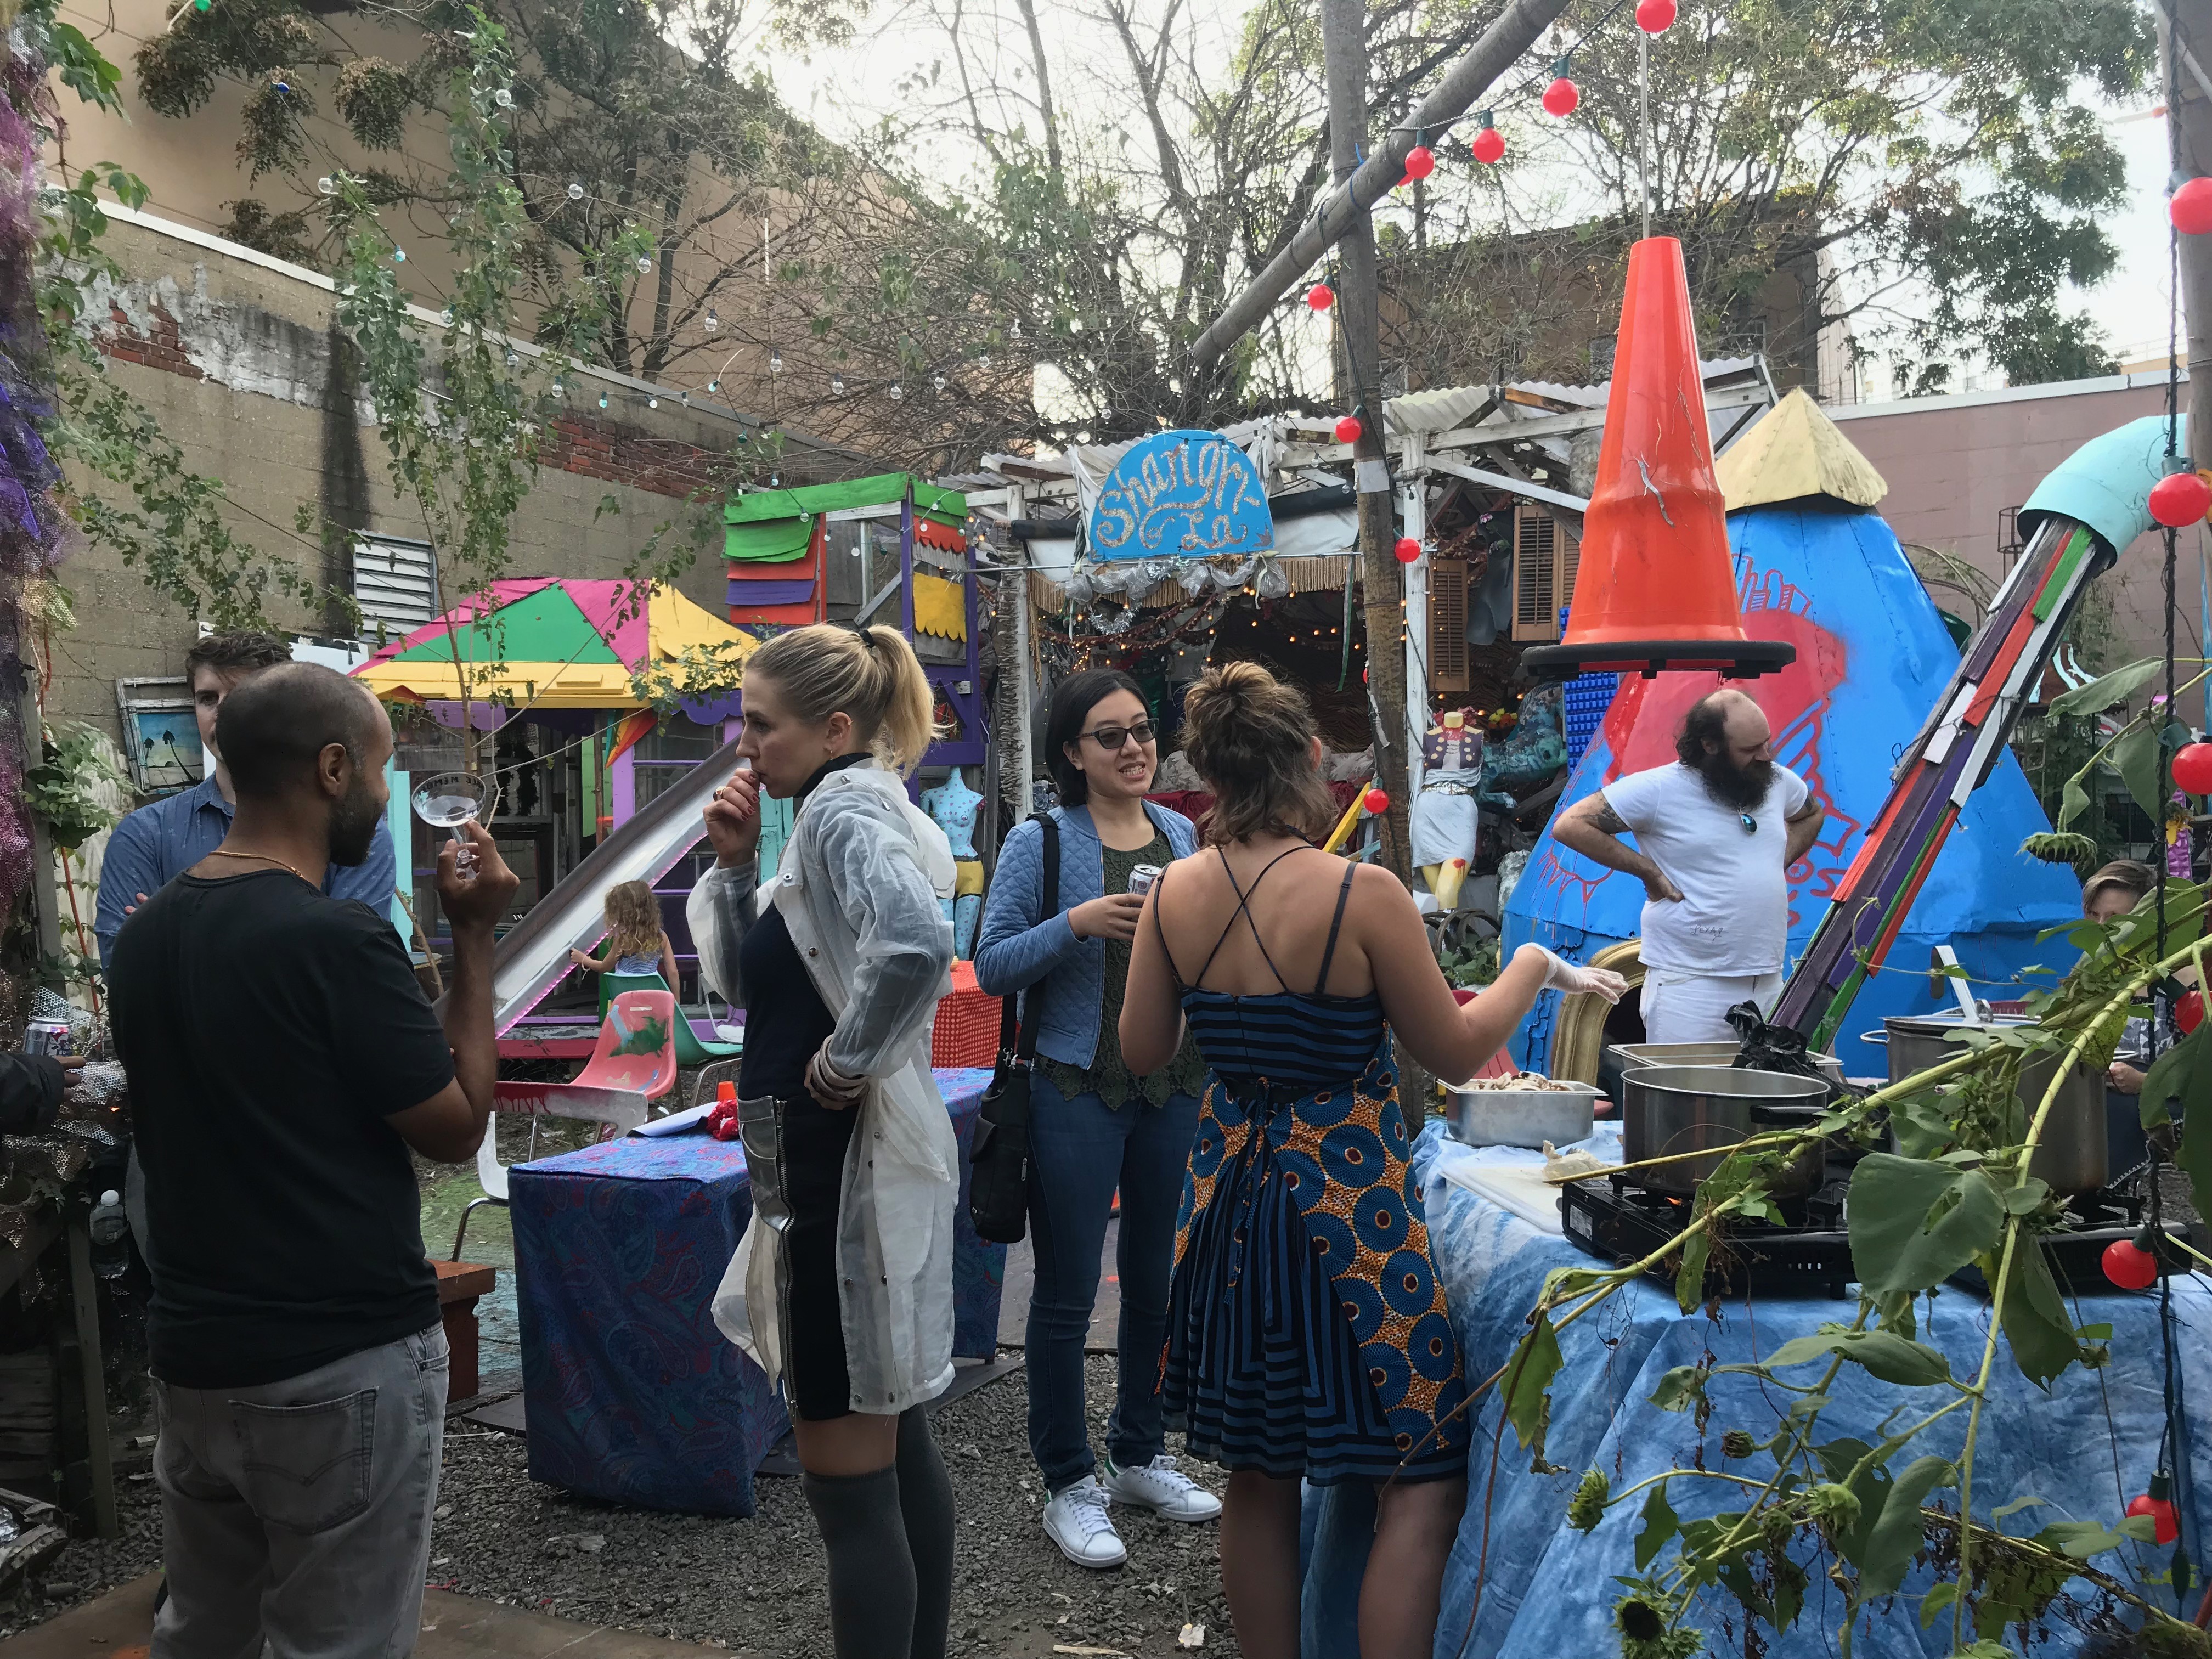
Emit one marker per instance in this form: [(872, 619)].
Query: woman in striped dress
[(1307, 1330)]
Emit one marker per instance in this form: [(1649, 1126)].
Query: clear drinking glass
[(448, 800)]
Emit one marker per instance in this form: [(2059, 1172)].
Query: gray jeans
[(299, 1510)]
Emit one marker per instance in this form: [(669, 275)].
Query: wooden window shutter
[(1536, 596), (1447, 626)]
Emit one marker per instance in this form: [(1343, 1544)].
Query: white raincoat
[(858, 885)]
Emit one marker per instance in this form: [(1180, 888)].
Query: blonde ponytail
[(871, 675)]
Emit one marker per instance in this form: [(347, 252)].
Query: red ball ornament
[(2189, 1010), (1407, 550), (1376, 801), (1489, 146), (1654, 17), (2180, 500), (2129, 1265), (1420, 161), (1561, 97), (2190, 207), (2193, 768), (1348, 429), (1321, 296), (2165, 1520)]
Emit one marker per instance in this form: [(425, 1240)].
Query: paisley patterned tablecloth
[(630, 1391)]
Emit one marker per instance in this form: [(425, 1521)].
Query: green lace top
[(1107, 1077)]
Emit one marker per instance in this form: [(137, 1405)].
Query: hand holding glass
[(448, 800)]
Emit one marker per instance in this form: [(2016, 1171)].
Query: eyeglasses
[(1111, 737), (1750, 824)]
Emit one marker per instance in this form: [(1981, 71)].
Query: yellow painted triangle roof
[(1797, 451), (677, 624)]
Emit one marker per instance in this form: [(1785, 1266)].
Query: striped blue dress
[(1307, 1332)]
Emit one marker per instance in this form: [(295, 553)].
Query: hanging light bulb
[(1654, 17), (399, 256), (327, 185), (775, 361), (446, 316), (1420, 161), (836, 385), (714, 324), (652, 402), (2189, 207), (898, 393), (1562, 96), (1348, 429), (983, 360), (503, 98), (1489, 145), (1407, 550), (937, 383), (644, 266), (603, 400), (1320, 297), (558, 388), (281, 85), (575, 191)]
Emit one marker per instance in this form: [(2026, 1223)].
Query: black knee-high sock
[(872, 1580), (925, 1506)]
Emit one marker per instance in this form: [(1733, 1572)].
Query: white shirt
[(1733, 916)]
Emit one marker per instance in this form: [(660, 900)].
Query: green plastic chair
[(690, 1050)]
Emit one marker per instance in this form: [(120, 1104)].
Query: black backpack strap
[(1017, 1037)]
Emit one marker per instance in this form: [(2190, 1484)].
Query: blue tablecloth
[(1548, 1590), (630, 1391)]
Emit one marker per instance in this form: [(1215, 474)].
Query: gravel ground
[(757, 1587)]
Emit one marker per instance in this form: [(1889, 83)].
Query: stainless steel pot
[(1521, 1117), (2071, 1157), (1689, 1108)]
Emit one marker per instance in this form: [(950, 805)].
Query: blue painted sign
[(1181, 495)]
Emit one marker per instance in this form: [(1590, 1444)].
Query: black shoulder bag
[(999, 1175)]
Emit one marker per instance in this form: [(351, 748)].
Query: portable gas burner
[(1808, 1252)]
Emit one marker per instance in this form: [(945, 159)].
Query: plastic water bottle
[(111, 1235)]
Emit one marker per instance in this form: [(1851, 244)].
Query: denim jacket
[(1024, 943)]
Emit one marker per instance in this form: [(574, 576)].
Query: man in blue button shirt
[(159, 841)]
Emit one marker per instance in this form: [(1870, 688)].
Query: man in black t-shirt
[(282, 1061)]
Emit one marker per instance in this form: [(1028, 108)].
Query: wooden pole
[(1344, 54)]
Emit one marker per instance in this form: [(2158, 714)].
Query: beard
[(1740, 789), (353, 825)]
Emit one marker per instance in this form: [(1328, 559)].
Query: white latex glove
[(1597, 982), (831, 1087)]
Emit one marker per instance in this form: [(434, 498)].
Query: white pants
[(1680, 1007)]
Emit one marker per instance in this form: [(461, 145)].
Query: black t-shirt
[(269, 1031), (786, 1019)]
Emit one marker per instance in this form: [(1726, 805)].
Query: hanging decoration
[(1407, 550), (2129, 1265), (1182, 494), (1562, 96), (2181, 499), (2165, 1519), (1489, 144), (1420, 161), (2193, 768), (2190, 207), (1320, 297), (1656, 16), (1348, 429)]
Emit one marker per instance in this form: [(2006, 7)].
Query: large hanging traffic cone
[(1655, 588)]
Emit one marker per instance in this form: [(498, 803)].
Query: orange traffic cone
[(1655, 588)]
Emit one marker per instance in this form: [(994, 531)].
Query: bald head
[(1724, 738), (273, 729)]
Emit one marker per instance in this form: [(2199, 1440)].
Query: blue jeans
[(1081, 1151)]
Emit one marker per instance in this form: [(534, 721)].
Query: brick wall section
[(165, 350), (660, 467)]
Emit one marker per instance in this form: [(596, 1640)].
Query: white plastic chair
[(620, 1109)]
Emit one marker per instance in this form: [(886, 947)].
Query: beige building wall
[(232, 354)]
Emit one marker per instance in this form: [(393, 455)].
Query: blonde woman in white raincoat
[(843, 1287)]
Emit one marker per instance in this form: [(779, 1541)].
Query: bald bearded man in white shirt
[(1715, 834)]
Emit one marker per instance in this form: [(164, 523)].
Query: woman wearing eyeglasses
[(1094, 1128)]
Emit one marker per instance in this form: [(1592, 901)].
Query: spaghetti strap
[(1161, 933), (1328, 952), (1244, 909)]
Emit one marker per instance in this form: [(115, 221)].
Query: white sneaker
[(1163, 1488), (1077, 1521)]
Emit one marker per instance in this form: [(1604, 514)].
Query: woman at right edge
[(1306, 1334)]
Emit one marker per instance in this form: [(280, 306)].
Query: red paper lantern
[(1654, 17), (1376, 801), (1321, 296), (2190, 207), (2180, 500), (1561, 97), (2129, 1265), (1489, 145), (1407, 550), (1420, 161), (2193, 768), (2166, 1521), (2189, 1010), (1348, 429)]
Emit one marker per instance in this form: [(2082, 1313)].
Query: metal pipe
[(1465, 81)]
